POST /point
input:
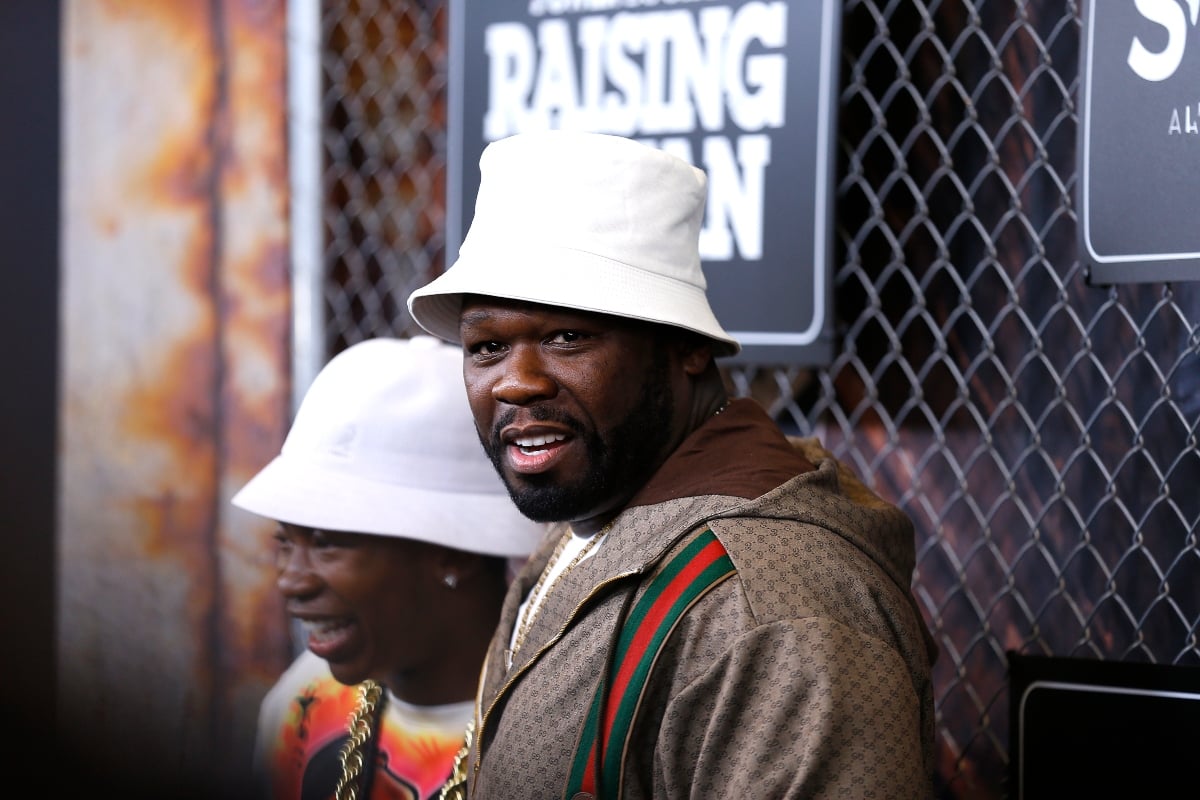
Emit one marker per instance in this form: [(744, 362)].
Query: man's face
[(575, 409), (365, 602)]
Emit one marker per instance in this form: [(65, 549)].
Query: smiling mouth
[(529, 445), (325, 630)]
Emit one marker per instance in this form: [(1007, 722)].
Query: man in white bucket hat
[(394, 541), (722, 611)]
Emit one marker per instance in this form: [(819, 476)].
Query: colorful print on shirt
[(413, 757)]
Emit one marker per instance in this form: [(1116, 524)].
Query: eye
[(567, 337), (484, 353), (329, 540), (486, 348), (283, 548), (283, 540)]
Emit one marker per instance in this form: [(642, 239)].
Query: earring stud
[(451, 581)]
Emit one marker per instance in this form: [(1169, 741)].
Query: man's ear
[(696, 355), (693, 351), (447, 560)]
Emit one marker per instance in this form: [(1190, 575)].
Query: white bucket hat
[(586, 221), (384, 443)]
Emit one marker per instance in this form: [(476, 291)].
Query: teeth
[(324, 629), (538, 441)]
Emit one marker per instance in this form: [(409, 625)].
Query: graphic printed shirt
[(302, 727)]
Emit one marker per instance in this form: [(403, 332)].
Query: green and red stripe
[(682, 581)]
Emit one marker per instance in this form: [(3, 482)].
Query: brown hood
[(711, 460)]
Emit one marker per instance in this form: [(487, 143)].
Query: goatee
[(618, 464)]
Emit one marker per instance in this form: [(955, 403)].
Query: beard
[(619, 463)]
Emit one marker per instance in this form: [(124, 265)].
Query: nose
[(296, 577), (525, 378)]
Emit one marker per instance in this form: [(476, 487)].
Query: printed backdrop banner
[(744, 90)]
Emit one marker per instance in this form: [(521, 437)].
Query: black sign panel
[(1080, 727), (1139, 141), (744, 90)]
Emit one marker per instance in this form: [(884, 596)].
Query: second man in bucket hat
[(721, 611), (393, 546)]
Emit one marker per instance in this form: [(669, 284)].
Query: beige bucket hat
[(585, 221)]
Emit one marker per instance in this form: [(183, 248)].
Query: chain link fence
[(1040, 430)]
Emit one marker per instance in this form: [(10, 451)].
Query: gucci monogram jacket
[(806, 674)]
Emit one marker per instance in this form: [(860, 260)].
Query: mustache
[(538, 414)]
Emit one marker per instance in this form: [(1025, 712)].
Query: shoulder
[(801, 594), (307, 677), (789, 570), (306, 702), (305, 669)]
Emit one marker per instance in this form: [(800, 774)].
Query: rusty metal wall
[(175, 388)]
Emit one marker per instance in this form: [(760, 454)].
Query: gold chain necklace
[(353, 754), (536, 597)]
